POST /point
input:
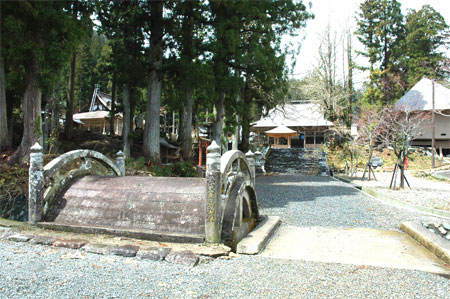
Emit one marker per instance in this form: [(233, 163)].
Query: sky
[(341, 13)]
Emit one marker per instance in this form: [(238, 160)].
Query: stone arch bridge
[(220, 208)]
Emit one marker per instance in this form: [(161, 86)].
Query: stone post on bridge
[(35, 184), (120, 162), (213, 179), (251, 164)]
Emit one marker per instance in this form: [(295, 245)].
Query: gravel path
[(323, 201), (39, 272), (34, 271)]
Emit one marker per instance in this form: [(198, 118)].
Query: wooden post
[(304, 139), (35, 184), (213, 179), (314, 139), (433, 129)]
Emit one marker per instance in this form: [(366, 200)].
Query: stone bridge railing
[(39, 176)]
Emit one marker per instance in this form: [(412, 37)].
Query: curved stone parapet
[(53, 166), (235, 161)]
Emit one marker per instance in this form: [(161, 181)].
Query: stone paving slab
[(186, 258), (20, 237), (154, 254), (72, 244), (102, 249), (126, 250), (43, 240), (356, 246)]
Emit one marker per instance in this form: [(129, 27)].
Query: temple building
[(292, 125), (97, 118), (420, 99)]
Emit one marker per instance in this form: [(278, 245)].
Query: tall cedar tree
[(80, 12), (381, 30), (248, 53), (123, 24), (38, 39), (427, 35), (187, 30), (152, 116)]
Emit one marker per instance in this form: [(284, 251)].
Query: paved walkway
[(33, 271)]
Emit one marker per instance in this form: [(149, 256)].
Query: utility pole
[(433, 128)]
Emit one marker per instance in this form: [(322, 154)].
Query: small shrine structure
[(282, 136)]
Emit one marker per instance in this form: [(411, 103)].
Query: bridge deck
[(175, 206)]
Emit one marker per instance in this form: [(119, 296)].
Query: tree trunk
[(402, 175), (132, 106), (186, 125), (349, 79), (235, 144), (126, 120), (152, 119), (218, 121), (112, 115), (245, 143), (4, 134), (32, 121), (246, 118), (68, 126)]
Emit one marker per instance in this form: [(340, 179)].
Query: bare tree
[(323, 85), (400, 126), (369, 124)]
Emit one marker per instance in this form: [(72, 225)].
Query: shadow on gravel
[(279, 190)]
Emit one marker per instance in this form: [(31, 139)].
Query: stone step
[(299, 161)]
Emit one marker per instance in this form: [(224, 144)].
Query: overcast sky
[(340, 13)]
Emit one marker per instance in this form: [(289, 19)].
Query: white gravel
[(424, 192), (35, 271)]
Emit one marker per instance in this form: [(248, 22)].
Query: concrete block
[(433, 242), (256, 240)]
